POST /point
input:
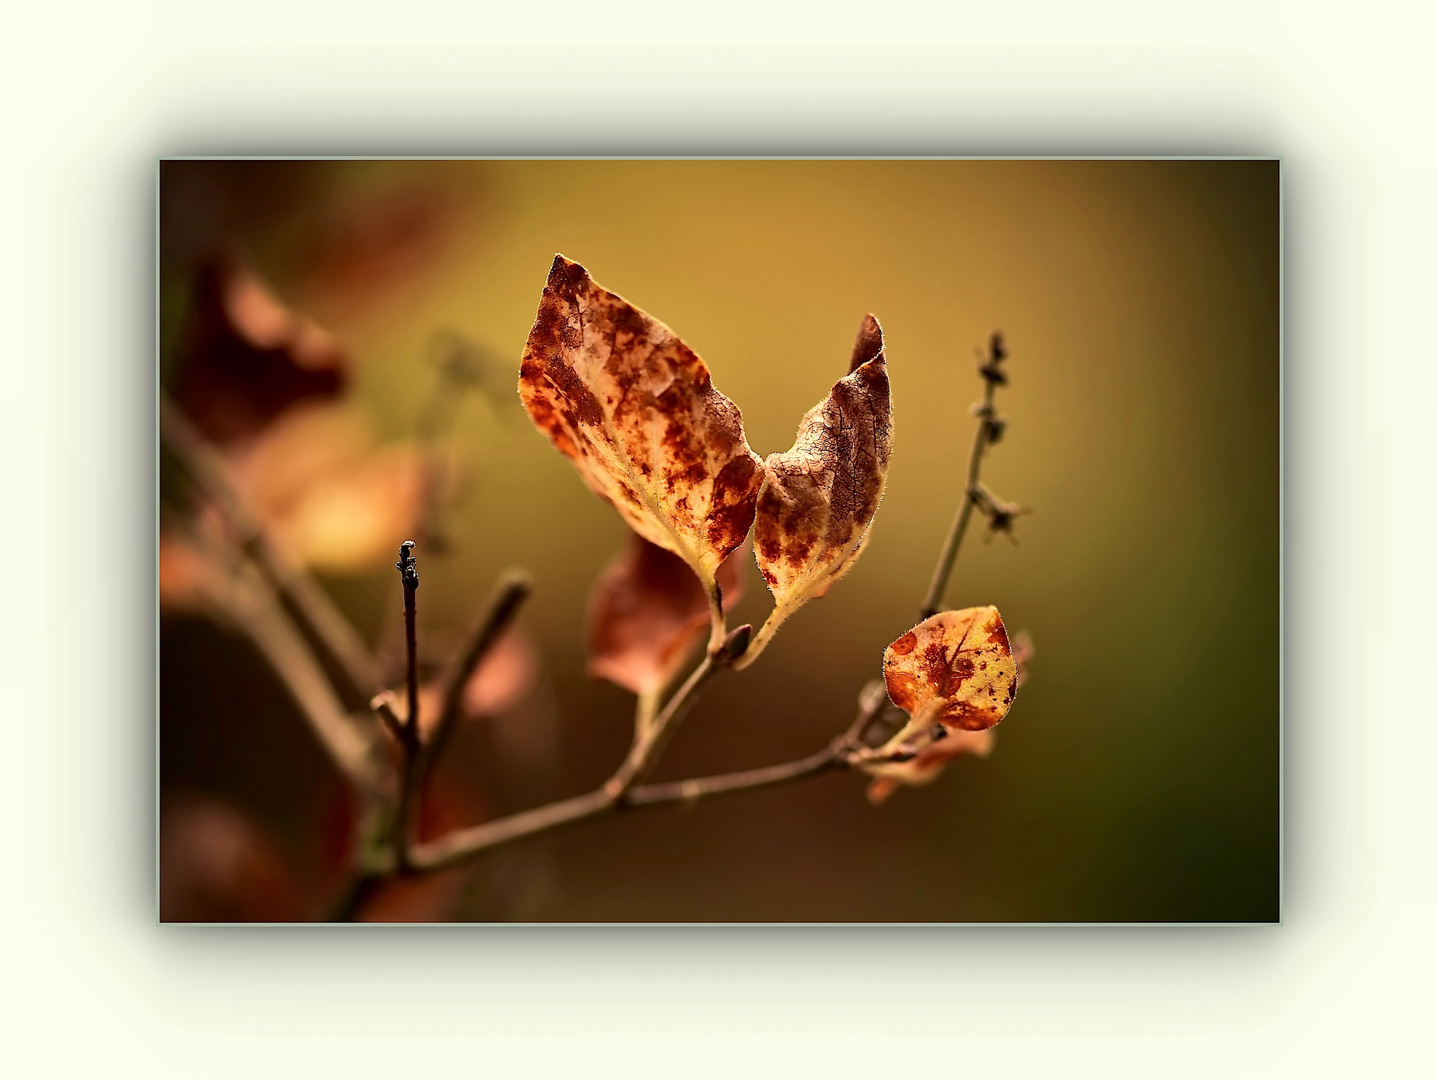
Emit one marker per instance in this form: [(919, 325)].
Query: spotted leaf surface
[(636, 412), (646, 612), (955, 669), (820, 497)]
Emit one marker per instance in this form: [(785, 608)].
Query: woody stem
[(949, 553)]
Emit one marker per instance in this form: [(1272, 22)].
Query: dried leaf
[(245, 358), (634, 409), (645, 613), (328, 493), (955, 676), (929, 762), (955, 668), (820, 496)]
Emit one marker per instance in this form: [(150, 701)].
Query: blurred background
[(1137, 776)]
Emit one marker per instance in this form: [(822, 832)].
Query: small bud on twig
[(736, 643), (992, 371), (406, 567), (1000, 514)]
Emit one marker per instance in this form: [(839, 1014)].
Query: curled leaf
[(955, 668), (245, 358), (645, 613), (636, 412), (820, 497)]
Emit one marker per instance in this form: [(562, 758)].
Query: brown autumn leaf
[(820, 496), (245, 358), (645, 613), (955, 668), (636, 412), (955, 676)]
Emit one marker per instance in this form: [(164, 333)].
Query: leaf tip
[(869, 343), (565, 273)]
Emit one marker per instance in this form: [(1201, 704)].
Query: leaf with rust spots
[(646, 612), (634, 409), (955, 676), (955, 668), (820, 497)]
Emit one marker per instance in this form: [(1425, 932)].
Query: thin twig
[(647, 747), (413, 765), (409, 576), (321, 623), (464, 844), (265, 623), (830, 757), (509, 595), (949, 553)]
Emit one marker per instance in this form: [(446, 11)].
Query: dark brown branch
[(320, 622), (410, 740), (383, 706)]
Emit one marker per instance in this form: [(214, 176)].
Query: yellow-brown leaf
[(820, 497), (636, 412), (955, 676), (955, 668)]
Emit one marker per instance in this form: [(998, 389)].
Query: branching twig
[(465, 844), (322, 623), (319, 621)]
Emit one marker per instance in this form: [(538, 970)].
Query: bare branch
[(990, 430), (321, 623), (825, 760), (466, 844), (259, 614), (509, 595)]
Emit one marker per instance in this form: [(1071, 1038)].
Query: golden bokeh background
[(1137, 776)]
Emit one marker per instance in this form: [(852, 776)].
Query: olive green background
[(1137, 776)]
